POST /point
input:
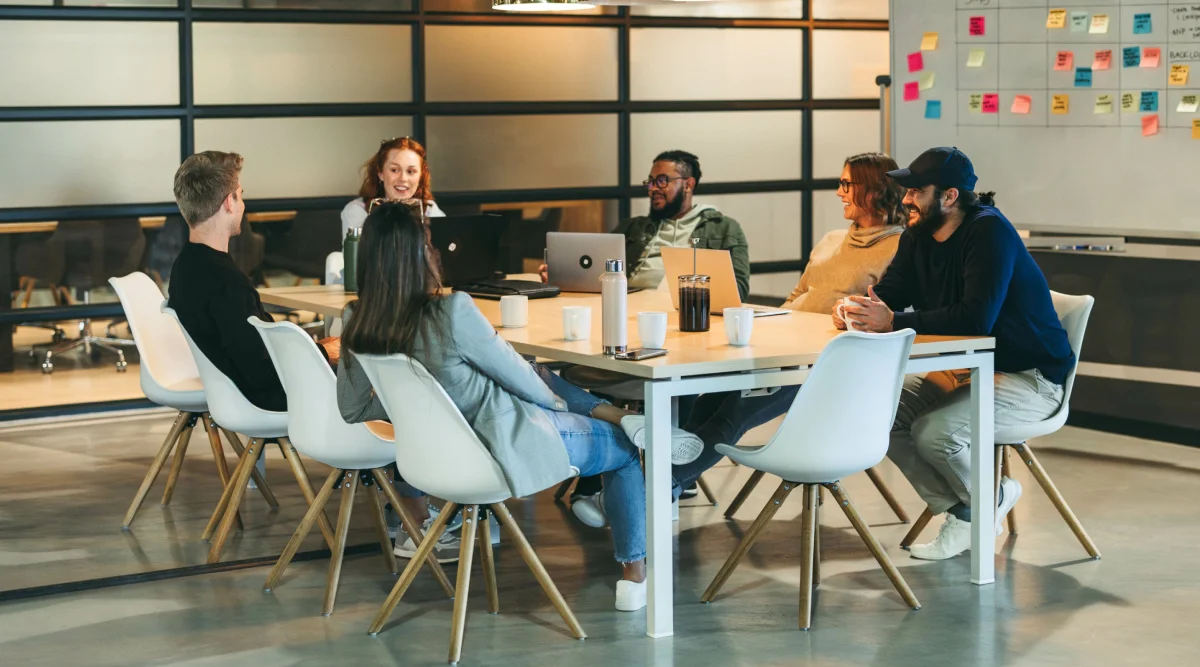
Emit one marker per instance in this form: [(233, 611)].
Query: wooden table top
[(147, 222), (795, 339)]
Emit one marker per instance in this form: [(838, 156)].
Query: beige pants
[(931, 438)]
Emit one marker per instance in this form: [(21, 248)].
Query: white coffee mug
[(841, 312), (577, 322), (739, 325), (514, 311), (652, 329)]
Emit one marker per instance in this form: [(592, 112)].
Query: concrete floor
[(63, 490)]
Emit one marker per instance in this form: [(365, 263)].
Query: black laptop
[(469, 246)]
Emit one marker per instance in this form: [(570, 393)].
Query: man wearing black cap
[(965, 272)]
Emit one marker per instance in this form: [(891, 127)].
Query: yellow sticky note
[(1099, 24), (1196, 128), (976, 104), (975, 58), (926, 80), (1179, 75), (929, 41), (1061, 105), (1057, 18), (1104, 104), (1128, 102)]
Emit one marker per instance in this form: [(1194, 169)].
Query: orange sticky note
[(1102, 60), (1150, 56), (1149, 125), (1064, 61), (1061, 105), (929, 41), (1021, 104), (1179, 75), (1196, 128)]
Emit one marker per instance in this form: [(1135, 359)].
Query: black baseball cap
[(945, 167)]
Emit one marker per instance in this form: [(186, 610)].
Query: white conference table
[(782, 351)]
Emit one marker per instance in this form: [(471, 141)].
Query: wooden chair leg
[(747, 489), (414, 529), (218, 452), (425, 550), (915, 531), (349, 486), (764, 517), (306, 524), (564, 488), (488, 561), (233, 498), (466, 553), (884, 491), (1039, 473), (293, 459), (808, 539), (1008, 472), (155, 467), (707, 491), (259, 480), (381, 528), (181, 445), (873, 544), (539, 572)]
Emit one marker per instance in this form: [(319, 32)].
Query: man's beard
[(930, 220), (670, 209)]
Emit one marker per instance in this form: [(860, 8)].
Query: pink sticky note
[(1150, 56), (977, 25), (1021, 104), (1102, 60), (916, 62), (1065, 60), (1149, 125), (991, 103), (912, 91)]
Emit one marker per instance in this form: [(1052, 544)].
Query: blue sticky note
[(1141, 24), (1131, 56), (1149, 101), (933, 109), (1083, 77)]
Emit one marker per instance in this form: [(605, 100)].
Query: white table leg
[(983, 465), (660, 557)]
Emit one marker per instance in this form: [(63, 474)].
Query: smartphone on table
[(638, 354)]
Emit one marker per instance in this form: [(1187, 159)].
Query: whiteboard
[(1079, 171)]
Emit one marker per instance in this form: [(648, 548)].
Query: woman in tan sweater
[(843, 263)]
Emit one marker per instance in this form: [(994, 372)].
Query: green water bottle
[(350, 259)]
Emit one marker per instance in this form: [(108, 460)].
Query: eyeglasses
[(845, 185), (384, 142), (661, 181)]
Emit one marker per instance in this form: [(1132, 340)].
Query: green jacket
[(716, 231)]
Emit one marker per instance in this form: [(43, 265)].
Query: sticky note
[(1061, 105), (1079, 21), (1064, 60), (1188, 104), (1149, 125), (975, 58), (991, 103), (1141, 24), (933, 109), (976, 104), (1128, 102), (1083, 77), (916, 62), (1021, 104), (1150, 56), (977, 26), (929, 41), (1179, 75), (1131, 56), (1148, 101), (925, 81), (1196, 128), (1102, 60), (1057, 18), (911, 91), (1104, 104), (1099, 24)]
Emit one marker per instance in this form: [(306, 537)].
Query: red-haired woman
[(396, 171)]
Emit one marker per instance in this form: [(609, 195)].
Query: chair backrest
[(162, 349), (841, 418), (334, 264), (437, 451), (1073, 311), (79, 246)]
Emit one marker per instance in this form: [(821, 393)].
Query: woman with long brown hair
[(397, 171)]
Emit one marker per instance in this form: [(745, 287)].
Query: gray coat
[(497, 391)]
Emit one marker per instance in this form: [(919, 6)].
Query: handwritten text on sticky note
[(1196, 128), (991, 103), (1061, 105), (911, 91), (1128, 102), (977, 26), (1141, 24), (975, 58), (1188, 104), (1148, 101), (1131, 56), (1149, 125), (1064, 60), (1079, 21), (1021, 104), (933, 109), (1083, 77), (1099, 24), (929, 41), (976, 103), (1057, 18), (1179, 75), (1104, 104), (1102, 60), (1150, 56)]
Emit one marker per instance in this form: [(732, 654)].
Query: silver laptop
[(718, 266), (576, 260)]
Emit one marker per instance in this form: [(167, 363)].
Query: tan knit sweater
[(844, 262)]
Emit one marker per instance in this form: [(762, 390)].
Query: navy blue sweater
[(979, 282)]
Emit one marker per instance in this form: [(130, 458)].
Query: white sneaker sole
[(1012, 493), (685, 447)]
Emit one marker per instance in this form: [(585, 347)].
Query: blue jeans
[(723, 418)]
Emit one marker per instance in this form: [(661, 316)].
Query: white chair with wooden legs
[(236, 414), (838, 425), (355, 453), (1073, 311), (876, 479), (459, 469)]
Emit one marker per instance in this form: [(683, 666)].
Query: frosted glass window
[(731, 145), (88, 63), (485, 7), (771, 220), (716, 64), (827, 214), (341, 5), (839, 134), (483, 63), (846, 62), (119, 3), (301, 157), (301, 63), (75, 163), (520, 152), (850, 9), (787, 9)]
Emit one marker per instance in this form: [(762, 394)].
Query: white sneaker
[(590, 510), (631, 596), (685, 447), (953, 539), (1010, 493), (446, 549)]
